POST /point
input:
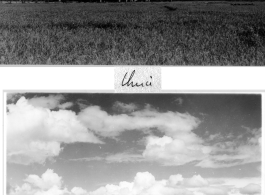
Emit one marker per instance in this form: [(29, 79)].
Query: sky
[(133, 144)]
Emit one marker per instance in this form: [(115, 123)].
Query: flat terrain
[(196, 33)]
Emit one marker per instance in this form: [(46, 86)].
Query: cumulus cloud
[(105, 124), (179, 145), (35, 133), (251, 189), (44, 130), (46, 181), (144, 183), (196, 181), (48, 184), (123, 107), (169, 151), (78, 191)]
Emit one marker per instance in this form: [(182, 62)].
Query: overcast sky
[(133, 144)]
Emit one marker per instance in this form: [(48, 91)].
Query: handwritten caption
[(137, 79)]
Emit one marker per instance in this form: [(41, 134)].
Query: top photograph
[(132, 32)]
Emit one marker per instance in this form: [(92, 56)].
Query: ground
[(139, 33)]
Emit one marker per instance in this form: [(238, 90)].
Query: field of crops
[(144, 33)]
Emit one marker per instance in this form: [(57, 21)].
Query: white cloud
[(180, 144), (46, 181), (196, 181), (112, 125), (51, 101), (214, 190), (123, 107), (43, 131), (96, 158), (175, 180), (145, 183), (124, 157), (241, 150), (186, 148), (48, 184), (251, 189), (35, 133), (66, 105), (78, 191)]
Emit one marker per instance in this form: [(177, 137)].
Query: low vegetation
[(191, 33)]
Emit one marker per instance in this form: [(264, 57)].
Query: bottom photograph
[(133, 144)]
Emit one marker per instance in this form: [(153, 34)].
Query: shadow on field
[(249, 36), (67, 26), (74, 26)]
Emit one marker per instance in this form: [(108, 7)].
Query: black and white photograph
[(133, 144), (132, 32)]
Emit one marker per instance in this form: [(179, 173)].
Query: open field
[(197, 33)]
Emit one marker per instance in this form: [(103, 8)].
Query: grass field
[(197, 33)]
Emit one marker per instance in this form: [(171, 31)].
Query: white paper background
[(94, 79)]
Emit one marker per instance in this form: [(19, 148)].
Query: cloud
[(196, 181), (169, 151), (123, 107), (66, 105), (94, 118), (13, 97), (78, 191), (96, 158), (214, 191), (50, 102), (179, 101), (44, 130), (251, 189), (234, 150), (46, 181), (179, 144), (123, 157), (48, 184), (175, 180), (144, 183), (34, 134)]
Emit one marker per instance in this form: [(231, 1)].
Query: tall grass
[(132, 33)]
